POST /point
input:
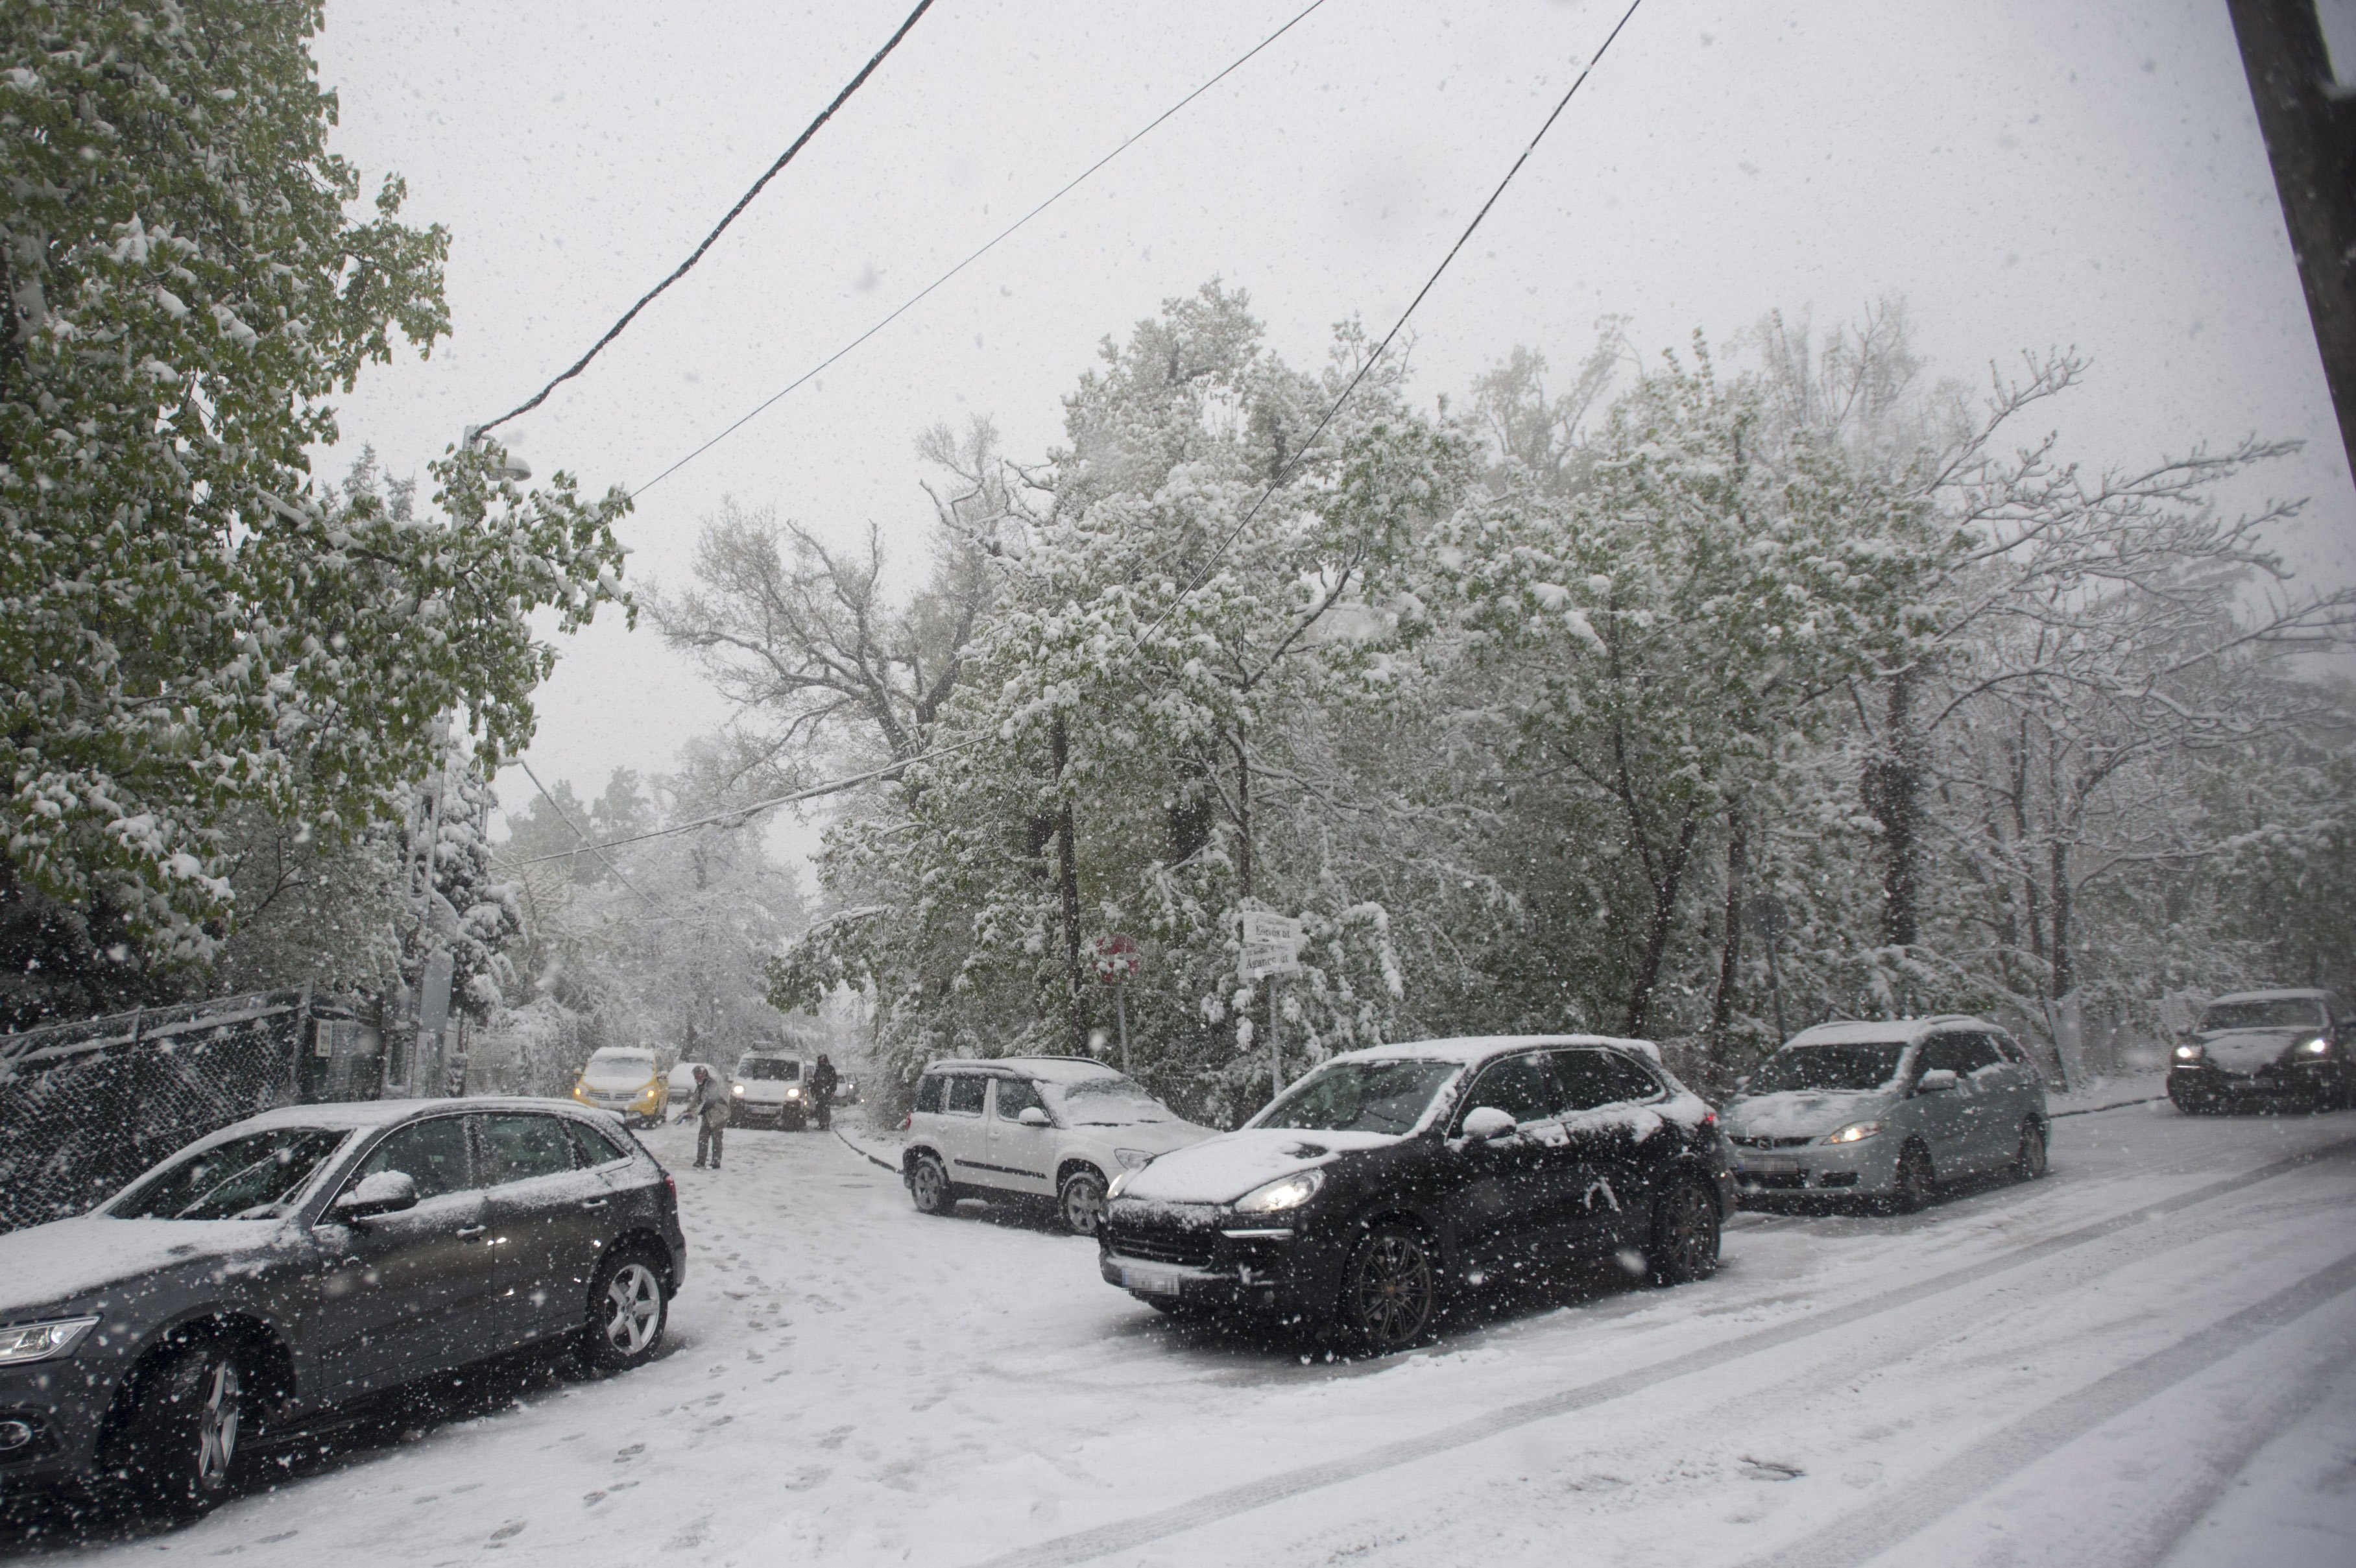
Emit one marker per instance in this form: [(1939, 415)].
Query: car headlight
[(1284, 1192), (1855, 1133), (1132, 1159), (2314, 1048), (736, 1089), (793, 1094), (1118, 1183), (25, 1342), (2190, 1053)]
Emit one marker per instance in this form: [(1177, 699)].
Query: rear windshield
[(1111, 1101), (770, 1069), (1864, 1066), (2275, 1013), (252, 1177), (1360, 1097)]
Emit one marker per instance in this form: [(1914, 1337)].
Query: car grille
[(1190, 1250), (1778, 1181), (1767, 1143)]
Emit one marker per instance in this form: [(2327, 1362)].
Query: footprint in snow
[(834, 1439), (1772, 1469), (507, 1531), (632, 1451)]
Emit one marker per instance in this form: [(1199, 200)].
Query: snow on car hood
[(614, 1081), (1222, 1168), (1149, 1137), (47, 1265), (2246, 1050), (1802, 1112)]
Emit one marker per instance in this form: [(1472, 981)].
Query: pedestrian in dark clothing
[(709, 1109), (821, 1087)]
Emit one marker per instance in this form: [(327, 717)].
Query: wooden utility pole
[(2309, 125)]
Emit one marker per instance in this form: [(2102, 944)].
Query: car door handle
[(596, 1203), (467, 1232)]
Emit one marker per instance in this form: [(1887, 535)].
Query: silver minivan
[(1887, 1111)]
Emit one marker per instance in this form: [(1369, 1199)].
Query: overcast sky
[(2026, 175)]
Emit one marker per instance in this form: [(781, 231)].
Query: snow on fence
[(87, 1105)]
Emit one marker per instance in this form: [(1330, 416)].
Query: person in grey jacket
[(709, 1109)]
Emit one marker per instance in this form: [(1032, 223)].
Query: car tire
[(1080, 1201), (629, 1307), (1390, 1289), (1916, 1180), (928, 1184), (1683, 1246), (2029, 1159), (180, 1446)]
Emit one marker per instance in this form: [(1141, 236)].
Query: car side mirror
[(1936, 1080), (1032, 1116), (1486, 1124), (386, 1192)]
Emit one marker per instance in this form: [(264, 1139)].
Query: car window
[(596, 1148), (1016, 1095), (928, 1094), (523, 1146), (965, 1094), (1586, 1079), (2267, 1012), (433, 1154), (1959, 1054), (770, 1069), (2007, 1050), (1867, 1064), (249, 1177), (1109, 1100), (1523, 1087), (1360, 1097)]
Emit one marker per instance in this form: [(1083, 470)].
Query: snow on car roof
[(1054, 1070), (1882, 1032), (345, 1113), (2292, 994), (1477, 1047)]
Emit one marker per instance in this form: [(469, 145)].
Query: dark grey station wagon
[(313, 1254)]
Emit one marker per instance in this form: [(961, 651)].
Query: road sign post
[(1116, 958), (1271, 948)]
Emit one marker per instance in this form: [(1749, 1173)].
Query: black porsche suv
[(1388, 1177)]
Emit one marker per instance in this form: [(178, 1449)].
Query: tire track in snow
[(1866, 1533), (1080, 1546)]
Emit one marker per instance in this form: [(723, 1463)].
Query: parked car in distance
[(772, 1087), (679, 1082), (312, 1254), (1388, 1177), (624, 1080), (2267, 1048), (1051, 1128), (1887, 1111)]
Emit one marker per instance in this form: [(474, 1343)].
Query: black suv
[(308, 1255), (1387, 1176)]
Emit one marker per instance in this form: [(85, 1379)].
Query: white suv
[(1033, 1127), (771, 1085)]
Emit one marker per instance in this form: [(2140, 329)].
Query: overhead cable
[(742, 202), (741, 813), (988, 246), (597, 849)]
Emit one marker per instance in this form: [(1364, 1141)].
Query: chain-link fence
[(86, 1106)]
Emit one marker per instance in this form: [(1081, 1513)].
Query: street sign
[(1263, 926), (1262, 960), (1117, 958)]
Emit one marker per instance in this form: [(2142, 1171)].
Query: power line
[(987, 247), (743, 813), (597, 849), (742, 202)]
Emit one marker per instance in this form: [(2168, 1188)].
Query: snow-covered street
[(2144, 1358)]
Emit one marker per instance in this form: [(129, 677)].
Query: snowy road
[(2148, 1358)]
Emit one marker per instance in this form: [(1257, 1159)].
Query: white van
[(771, 1087)]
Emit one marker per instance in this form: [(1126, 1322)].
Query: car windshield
[(252, 1177), (633, 1065), (1360, 1097), (2272, 1013), (770, 1069), (1111, 1101), (1867, 1065)]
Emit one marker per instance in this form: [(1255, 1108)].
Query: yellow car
[(624, 1080)]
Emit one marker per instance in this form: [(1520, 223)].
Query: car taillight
[(908, 1121), (670, 1185)]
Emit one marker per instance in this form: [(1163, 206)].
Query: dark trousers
[(707, 1141), (825, 1113)]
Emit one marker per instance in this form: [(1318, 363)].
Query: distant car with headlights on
[(2267, 1048), (1389, 1178), (311, 1255), (1057, 1128), (624, 1080), (1887, 1112), (772, 1087)]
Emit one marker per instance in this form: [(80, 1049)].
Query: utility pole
[(2308, 121)]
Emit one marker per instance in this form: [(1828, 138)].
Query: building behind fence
[(85, 1106)]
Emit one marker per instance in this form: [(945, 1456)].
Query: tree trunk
[(1730, 958), (1892, 787), (2057, 886), (1243, 819), (1067, 878), (1658, 929)]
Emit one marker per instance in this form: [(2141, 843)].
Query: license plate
[(1770, 1165), (1152, 1281)]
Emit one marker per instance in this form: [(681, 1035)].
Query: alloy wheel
[(1687, 1246), (217, 1420), (633, 1309), (928, 1184), (2031, 1162), (1083, 1203), (1392, 1290)]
